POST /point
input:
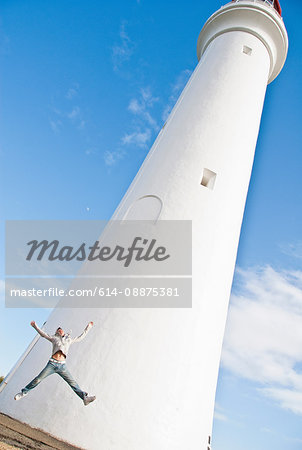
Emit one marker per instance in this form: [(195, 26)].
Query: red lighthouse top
[(277, 7), (274, 3)]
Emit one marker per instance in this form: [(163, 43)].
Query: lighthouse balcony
[(272, 3)]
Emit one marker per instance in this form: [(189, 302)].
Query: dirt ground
[(15, 434)]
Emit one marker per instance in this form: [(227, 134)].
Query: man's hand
[(33, 323), (90, 324)]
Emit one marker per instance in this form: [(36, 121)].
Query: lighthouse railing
[(272, 3)]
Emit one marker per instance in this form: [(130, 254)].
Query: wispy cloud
[(220, 416), (219, 413), (141, 106), (280, 436), (72, 91), (263, 340), (55, 125), (293, 439), (112, 157), (122, 51), (176, 89), (143, 123), (287, 398), (139, 138), (91, 151), (294, 250), (66, 112), (74, 113)]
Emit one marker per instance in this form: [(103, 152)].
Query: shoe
[(20, 395), (88, 399)]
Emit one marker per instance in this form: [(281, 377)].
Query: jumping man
[(60, 346)]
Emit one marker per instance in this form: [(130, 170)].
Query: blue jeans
[(61, 369)]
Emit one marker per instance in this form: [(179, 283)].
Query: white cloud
[(135, 107), (266, 430), (176, 89), (122, 52), (220, 416), (143, 122), (61, 117), (67, 112), (139, 138), (293, 439), (112, 157), (148, 97), (287, 398), (74, 113), (293, 250), (55, 125), (72, 91), (90, 151), (219, 413), (141, 107), (263, 340)]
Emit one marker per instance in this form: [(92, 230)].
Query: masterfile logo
[(141, 250)]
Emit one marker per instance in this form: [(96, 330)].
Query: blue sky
[(85, 88)]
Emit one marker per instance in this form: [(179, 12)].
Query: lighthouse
[(154, 370)]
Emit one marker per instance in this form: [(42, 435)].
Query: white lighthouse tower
[(154, 371)]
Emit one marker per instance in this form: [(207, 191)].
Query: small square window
[(208, 178), (247, 50)]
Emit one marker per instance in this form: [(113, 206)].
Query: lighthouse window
[(208, 178), (247, 50)]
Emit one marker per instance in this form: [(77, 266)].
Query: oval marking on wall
[(147, 207)]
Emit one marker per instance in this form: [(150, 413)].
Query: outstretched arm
[(41, 332), (79, 338)]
